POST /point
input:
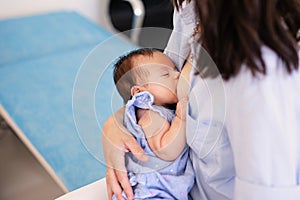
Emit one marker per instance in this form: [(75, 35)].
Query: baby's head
[(147, 70)]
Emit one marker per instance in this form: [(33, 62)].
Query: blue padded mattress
[(58, 91)]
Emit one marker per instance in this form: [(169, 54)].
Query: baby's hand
[(181, 108), (184, 81), (182, 87)]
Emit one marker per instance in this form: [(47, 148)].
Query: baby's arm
[(166, 141)]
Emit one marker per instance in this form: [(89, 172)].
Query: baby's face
[(163, 78)]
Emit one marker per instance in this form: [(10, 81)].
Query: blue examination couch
[(56, 90)]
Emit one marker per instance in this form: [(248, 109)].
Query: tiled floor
[(21, 176)]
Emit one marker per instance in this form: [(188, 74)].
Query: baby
[(147, 81)]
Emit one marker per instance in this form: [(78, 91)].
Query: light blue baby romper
[(156, 178)]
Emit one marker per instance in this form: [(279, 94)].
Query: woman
[(243, 126)]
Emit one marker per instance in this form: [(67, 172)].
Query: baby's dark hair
[(124, 77)]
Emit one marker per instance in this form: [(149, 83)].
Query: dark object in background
[(158, 13)]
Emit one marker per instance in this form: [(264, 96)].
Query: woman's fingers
[(116, 182), (136, 149), (113, 186), (116, 140), (109, 182), (122, 177), (116, 177)]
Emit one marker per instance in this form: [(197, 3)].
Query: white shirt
[(244, 134), (263, 123)]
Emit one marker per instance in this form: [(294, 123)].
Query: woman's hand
[(116, 140)]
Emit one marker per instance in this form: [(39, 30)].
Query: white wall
[(95, 10)]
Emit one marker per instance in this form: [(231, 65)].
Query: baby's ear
[(136, 89)]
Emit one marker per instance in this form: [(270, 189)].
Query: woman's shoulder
[(275, 70), (277, 85)]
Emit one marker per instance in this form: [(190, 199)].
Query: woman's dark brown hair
[(233, 32)]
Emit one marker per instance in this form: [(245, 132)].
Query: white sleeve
[(178, 47), (263, 122)]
